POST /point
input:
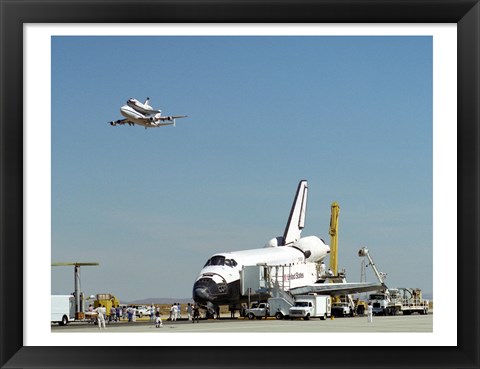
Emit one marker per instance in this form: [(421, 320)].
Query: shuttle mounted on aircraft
[(144, 115)]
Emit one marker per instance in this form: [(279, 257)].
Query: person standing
[(173, 315), (113, 314), (158, 319), (189, 311), (175, 312), (322, 269), (119, 312), (369, 313), (152, 313), (101, 312), (196, 314)]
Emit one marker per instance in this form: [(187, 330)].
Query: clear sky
[(352, 115)]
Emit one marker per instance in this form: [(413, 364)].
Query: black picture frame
[(14, 13)]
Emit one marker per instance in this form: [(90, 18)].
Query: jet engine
[(155, 118)]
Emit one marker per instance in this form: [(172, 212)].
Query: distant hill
[(159, 300)]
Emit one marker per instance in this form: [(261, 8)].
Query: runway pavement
[(399, 323)]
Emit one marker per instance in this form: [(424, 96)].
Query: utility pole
[(76, 281)]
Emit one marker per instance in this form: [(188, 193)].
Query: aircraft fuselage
[(137, 117)]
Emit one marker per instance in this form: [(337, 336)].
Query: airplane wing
[(120, 122), (164, 124), (338, 288), (296, 221), (172, 117)]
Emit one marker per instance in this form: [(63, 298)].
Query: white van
[(63, 309), (311, 306)]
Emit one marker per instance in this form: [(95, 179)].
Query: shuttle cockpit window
[(215, 260), (231, 263)]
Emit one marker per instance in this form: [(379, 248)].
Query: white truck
[(258, 310), (311, 306), (395, 300), (382, 304), (63, 309), (341, 309)]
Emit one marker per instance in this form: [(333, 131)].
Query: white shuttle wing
[(296, 221), (338, 288)]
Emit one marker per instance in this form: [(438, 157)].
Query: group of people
[(129, 312), (192, 311)]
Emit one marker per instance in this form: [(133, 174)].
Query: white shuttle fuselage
[(218, 283)]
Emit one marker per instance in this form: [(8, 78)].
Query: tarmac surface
[(399, 323)]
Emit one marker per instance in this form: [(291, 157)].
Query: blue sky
[(352, 115)]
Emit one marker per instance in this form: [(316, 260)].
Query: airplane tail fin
[(296, 221), (146, 102)]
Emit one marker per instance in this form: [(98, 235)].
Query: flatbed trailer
[(412, 301)]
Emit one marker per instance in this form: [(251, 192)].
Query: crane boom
[(333, 231), (364, 252)]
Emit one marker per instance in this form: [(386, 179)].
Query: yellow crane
[(333, 231), (335, 211)]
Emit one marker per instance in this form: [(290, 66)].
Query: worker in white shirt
[(370, 313), (101, 312)]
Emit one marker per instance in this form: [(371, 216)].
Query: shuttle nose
[(206, 289), (201, 293)]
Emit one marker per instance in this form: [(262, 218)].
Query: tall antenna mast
[(76, 278)]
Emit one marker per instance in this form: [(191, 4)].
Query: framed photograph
[(55, 60)]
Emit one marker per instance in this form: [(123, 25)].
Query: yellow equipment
[(334, 238), (107, 300)]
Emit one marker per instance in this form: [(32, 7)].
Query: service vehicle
[(107, 300), (63, 309), (311, 306), (279, 307), (258, 310), (385, 303), (343, 305), (341, 309), (142, 311), (395, 300), (412, 301)]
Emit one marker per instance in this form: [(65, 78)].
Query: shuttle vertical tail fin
[(296, 221), (146, 102)]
